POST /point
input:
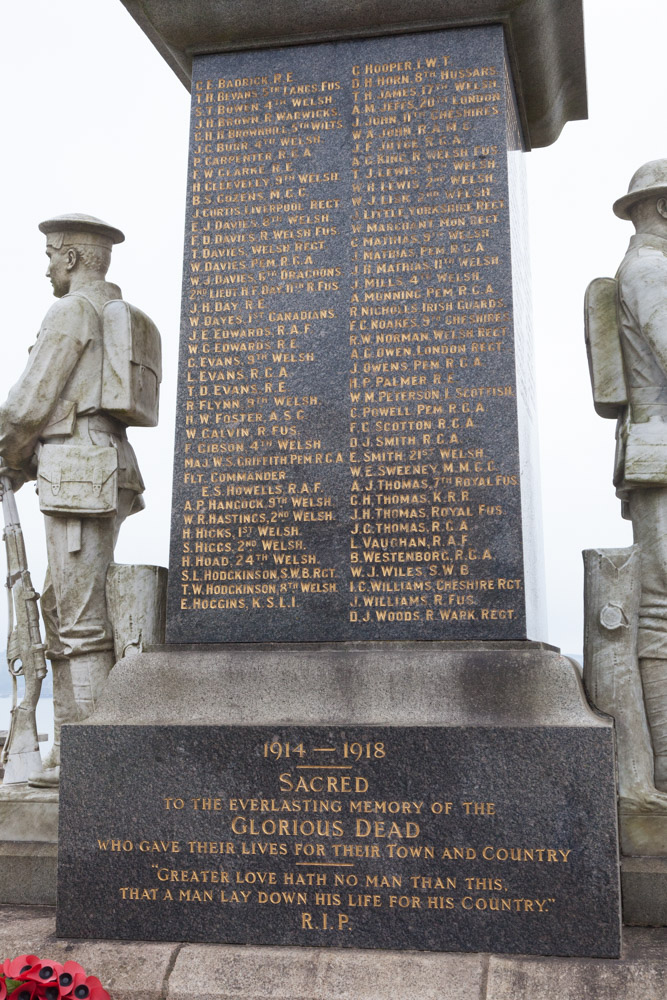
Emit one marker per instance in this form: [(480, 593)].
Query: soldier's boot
[(81, 682), (64, 710), (654, 682)]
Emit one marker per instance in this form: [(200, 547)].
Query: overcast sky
[(94, 121)]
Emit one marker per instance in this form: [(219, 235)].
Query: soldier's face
[(58, 271)]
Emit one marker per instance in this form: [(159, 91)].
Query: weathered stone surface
[(613, 682), (641, 973), (644, 831), (319, 974), (360, 733), (545, 39), (644, 891), (28, 814), (355, 431), (630, 343), (28, 844), (605, 363), (625, 655), (128, 970), (106, 356), (137, 601), (28, 872), (427, 684), (611, 672)]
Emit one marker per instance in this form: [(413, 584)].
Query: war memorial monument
[(353, 735)]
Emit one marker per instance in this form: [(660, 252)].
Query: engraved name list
[(347, 462)]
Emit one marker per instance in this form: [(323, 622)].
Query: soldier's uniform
[(642, 314), (55, 404), (641, 463)]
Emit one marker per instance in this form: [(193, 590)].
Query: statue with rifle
[(93, 371)]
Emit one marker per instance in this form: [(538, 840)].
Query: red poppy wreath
[(29, 978)]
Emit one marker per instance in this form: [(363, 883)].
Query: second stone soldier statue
[(628, 357), (94, 370)]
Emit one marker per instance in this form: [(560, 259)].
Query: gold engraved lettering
[(365, 277)]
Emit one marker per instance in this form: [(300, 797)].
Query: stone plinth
[(384, 796), (28, 844)]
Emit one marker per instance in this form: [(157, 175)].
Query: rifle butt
[(20, 766), (22, 756)]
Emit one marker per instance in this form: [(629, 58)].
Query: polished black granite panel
[(489, 839), (350, 399)]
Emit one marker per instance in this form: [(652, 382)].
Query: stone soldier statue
[(641, 469), (64, 423), (628, 358)]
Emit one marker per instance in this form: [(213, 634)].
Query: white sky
[(94, 121)]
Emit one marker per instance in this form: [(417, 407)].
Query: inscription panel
[(345, 837), (347, 464)]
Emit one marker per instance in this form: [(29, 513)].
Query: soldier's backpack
[(641, 448), (603, 347), (132, 367)]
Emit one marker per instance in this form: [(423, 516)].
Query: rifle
[(25, 649)]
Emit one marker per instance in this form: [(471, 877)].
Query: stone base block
[(643, 834), (28, 873), (28, 844), (370, 683), (28, 814), (644, 891), (433, 796)]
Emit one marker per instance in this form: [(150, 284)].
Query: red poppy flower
[(49, 992), (87, 988), (13, 968), (3, 989), (66, 977), (45, 973), (25, 991)]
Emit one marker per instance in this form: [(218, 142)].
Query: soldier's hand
[(17, 477)]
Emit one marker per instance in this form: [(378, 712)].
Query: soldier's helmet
[(649, 180)]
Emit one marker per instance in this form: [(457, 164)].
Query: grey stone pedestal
[(28, 844), (490, 762), (393, 684), (644, 891)]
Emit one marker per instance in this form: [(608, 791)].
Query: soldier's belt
[(103, 424)]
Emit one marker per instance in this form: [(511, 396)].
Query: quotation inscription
[(325, 836), (347, 461)]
